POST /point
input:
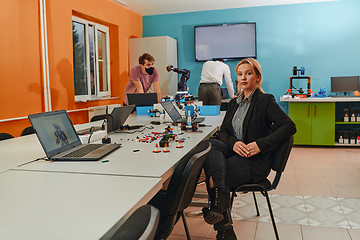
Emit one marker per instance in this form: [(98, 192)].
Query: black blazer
[(262, 113)]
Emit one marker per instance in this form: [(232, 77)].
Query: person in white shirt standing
[(212, 75)]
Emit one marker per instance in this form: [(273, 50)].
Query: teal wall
[(322, 37)]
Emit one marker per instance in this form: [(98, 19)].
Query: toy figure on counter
[(321, 93)]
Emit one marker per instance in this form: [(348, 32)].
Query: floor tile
[(321, 190), (354, 233), (330, 165), (283, 188), (245, 230), (328, 172), (244, 208), (311, 179), (308, 171), (325, 211), (265, 231), (352, 203), (306, 164), (324, 233), (289, 170), (288, 179), (350, 192), (289, 209), (197, 227), (341, 181)]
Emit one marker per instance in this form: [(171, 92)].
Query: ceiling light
[(120, 2)]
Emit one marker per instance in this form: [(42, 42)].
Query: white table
[(125, 162), (48, 205), (17, 151), (83, 200)]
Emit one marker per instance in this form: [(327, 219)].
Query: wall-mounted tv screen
[(226, 41)]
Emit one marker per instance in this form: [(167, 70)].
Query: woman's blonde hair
[(257, 68)]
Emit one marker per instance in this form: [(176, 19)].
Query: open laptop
[(175, 115), (142, 99), (60, 141), (118, 117)]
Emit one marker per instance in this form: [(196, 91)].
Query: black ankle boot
[(226, 234), (219, 202)]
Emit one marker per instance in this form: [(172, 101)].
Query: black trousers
[(210, 93), (227, 168)]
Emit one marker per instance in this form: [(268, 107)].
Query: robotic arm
[(184, 77)]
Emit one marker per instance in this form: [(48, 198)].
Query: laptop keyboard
[(83, 151)]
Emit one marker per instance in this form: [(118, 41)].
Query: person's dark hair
[(144, 57), (219, 59)]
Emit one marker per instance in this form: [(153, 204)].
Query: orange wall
[(21, 81)]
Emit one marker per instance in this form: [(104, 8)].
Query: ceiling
[(156, 7)]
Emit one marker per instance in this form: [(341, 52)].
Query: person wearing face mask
[(253, 125), (142, 76)]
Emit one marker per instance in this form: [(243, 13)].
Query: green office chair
[(181, 188)]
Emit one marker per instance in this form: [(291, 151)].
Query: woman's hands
[(246, 151)]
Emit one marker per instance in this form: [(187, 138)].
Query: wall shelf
[(347, 123)]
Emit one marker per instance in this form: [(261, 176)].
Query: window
[(91, 60)]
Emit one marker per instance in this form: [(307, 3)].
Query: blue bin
[(143, 110), (210, 110)]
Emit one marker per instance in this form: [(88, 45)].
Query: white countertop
[(327, 99)]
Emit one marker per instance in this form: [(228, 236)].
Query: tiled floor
[(318, 198)]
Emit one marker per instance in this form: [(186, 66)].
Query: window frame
[(97, 27)]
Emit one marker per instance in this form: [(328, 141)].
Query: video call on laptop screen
[(55, 131)]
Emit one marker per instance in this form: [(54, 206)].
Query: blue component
[(210, 110), (143, 110), (321, 93), (187, 108), (302, 70)]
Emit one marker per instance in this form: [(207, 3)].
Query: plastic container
[(210, 110), (143, 110), (346, 115), (352, 137), (340, 137), (353, 113), (346, 137)]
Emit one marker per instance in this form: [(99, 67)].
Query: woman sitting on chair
[(243, 153)]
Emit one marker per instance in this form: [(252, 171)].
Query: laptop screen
[(55, 131), (118, 117), (142, 99), (171, 110)]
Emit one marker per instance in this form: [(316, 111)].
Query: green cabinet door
[(323, 124), (300, 113)]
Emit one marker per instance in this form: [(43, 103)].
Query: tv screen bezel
[(226, 24), (342, 78)]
